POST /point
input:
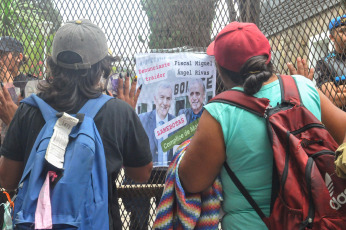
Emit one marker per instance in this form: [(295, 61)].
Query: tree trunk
[(249, 10), (231, 10), (175, 23)]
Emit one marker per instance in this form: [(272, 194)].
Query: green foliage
[(28, 21)]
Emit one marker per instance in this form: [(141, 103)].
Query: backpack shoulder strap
[(92, 106), (240, 99), (289, 90), (243, 191), (47, 111)]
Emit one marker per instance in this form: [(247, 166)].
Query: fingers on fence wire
[(4, 73), (8, 107), (4, 96), (121, 87), (291, 69), (302, 68), (138, 93), (135, 93), (129, 95), (306, 72), (133, 87), (127, 86), (334, 93)]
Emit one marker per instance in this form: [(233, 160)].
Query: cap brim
[(210, 49)]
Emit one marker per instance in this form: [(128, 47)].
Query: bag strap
[(243, 191), (46, 110), (238, 98), (258, 106), (92, 106), (289, 90)]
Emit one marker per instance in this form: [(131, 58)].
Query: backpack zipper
[(308, 222), (317, 125), (323, 152), (285, 171), (311, 212)]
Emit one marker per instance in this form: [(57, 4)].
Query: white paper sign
[(170, 126), (175, 87), (56, 149)]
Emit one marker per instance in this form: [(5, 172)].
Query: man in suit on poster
[(153, 119), (140, 206), (196, 94)]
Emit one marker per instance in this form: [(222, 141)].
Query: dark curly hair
[(64, 88), (252, 75)]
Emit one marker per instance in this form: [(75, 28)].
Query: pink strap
[(43, 214)]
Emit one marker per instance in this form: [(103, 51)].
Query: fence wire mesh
[(295, 28)]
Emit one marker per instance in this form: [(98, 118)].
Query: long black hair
[(252, 75), (66, 88)]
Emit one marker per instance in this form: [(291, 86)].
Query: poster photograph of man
[(175, 87)]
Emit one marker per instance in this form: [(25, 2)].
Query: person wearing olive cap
[(79, 59), (229, 133), (330, 72)]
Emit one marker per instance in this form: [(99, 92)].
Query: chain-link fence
[(295, 28)]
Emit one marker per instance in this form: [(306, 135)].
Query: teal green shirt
[(249, 153)]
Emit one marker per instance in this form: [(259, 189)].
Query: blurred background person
[(331, 70), (11, 60)]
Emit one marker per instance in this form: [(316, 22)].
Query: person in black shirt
[(331, 70), (77, 66)]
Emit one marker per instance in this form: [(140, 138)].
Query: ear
[(331, 37), (20, 57)]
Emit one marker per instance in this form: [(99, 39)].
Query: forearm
[(204, 156), (10, 173), (336, 94), (139, 174), (340, 99), (333, 118)]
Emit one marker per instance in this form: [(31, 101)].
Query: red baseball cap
[(236, 43)]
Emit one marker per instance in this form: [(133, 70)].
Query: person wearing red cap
[(229, 133)]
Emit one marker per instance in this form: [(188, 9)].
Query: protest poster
[(175, 87)]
